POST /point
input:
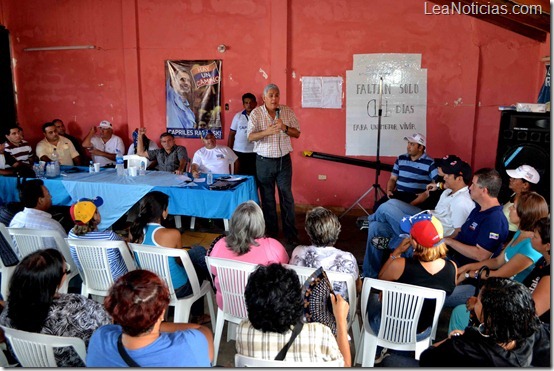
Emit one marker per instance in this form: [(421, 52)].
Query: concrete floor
[(351, 239)]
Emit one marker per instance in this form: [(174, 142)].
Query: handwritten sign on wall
[(403, 102)]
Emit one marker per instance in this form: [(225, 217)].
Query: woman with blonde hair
[(246, 242), (427, 267)]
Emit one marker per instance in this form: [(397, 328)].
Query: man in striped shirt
[(18, 147), (411, 173)]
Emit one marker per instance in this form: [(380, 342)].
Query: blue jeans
[(374, 258), (459, 296), (391, 212), (271, 172)]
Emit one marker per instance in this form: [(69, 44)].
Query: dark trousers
[(278, 171)]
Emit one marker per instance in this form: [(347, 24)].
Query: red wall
[(473, 67)]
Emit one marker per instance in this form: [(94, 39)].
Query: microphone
[(277, 113)]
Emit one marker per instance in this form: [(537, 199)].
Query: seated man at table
[(213, 157), (8, 164), (77, 143), (67, 154), (37, 200), (19, 147), (103, 147), (170, 157)]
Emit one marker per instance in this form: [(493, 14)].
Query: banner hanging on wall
[(404, 103), (193, 96)]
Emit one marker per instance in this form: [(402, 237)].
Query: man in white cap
[(103, 147), (411, 173)]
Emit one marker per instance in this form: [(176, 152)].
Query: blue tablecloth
[(120, 193)]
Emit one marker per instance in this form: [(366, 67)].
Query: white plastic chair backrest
[(244, 361), (400, 308), (232, 276), (37, 350), (93, 257), (135, 160), (156, 259), (30, 240)]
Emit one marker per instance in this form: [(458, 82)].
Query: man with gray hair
[(270, 127)]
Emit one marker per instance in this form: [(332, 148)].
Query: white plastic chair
[(37, 350), (244, 361), (6, 272), (401, 308), (156, 259), (135, 160), (94, 261), (232, 276), (28, 241), (354, 321)]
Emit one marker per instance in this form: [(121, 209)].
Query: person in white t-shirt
[(238, 140), (213, 157), (103, 147)]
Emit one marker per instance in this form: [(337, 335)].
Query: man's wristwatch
[(466, 275)]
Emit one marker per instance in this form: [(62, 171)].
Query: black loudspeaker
[(7, 98), (524, 138)]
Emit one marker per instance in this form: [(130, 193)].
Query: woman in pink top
[(246, 242)]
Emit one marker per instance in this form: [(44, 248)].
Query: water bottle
[(91, 168), (119, 166), (55, 160), (210, 178), (142, 168), (38, 170)]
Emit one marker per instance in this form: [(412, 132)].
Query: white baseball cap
[(105, 124), (416, 138), (526, 172)]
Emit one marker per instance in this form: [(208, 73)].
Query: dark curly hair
[(136, 301), (508, 310), (273, 298)]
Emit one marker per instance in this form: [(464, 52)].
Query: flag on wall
[(193, 96)]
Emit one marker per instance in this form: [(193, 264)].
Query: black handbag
[(473, 320), (283, 352)]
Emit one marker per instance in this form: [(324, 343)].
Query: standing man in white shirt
[(103, 147), (213, 157), (238, 140), (271, 127), (67, 154)]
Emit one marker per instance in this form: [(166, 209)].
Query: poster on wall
[(193, 96), (403, 102)]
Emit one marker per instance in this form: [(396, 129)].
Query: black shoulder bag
[(283, 352), (123, 353)]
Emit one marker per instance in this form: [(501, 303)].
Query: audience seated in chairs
[(275, 308), (246, 242), (427, 268), (148, 230), (323, 228), (86, 216), (34, 304), (510, 333), (516, 261), (137, 302)]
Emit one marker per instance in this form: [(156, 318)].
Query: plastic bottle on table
[(119, 166), (55, 160), (210, 178), (91, 168)]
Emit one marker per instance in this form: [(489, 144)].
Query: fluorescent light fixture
[(71, 47)]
